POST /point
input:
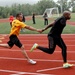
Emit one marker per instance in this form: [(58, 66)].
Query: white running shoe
[(34, 47), (67, 65), (32, 62)]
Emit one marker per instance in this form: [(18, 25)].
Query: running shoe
[(33, 47), (32, 61), (67, 65)]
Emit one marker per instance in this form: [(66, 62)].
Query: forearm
[(47, 27), (31, 28)]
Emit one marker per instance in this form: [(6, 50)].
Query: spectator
[(11, 18), (45, 19), (23, 20), (33, 18)]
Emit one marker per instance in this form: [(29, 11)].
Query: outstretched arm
[(48, 26), (32, 28)]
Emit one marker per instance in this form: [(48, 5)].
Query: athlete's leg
[(24, 52), (9, 44), (49, 50), (62, 45), (18, 43), (26, 56), (5, 46)]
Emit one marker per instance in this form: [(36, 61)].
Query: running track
[(12, 62)]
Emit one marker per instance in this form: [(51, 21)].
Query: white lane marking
[(49, 69), (20, 73), (45, 60), (18, 50)]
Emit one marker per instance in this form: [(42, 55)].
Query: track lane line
[(21, 73), (45, 60), (13, 50)]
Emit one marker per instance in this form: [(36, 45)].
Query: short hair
[(66, 12), (17, 15)]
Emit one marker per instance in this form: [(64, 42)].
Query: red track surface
[(12, 62)]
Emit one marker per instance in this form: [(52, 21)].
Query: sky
[(10, 2)]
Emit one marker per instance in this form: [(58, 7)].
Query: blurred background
[(54, 9)]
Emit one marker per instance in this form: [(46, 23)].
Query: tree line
[(38, 8)]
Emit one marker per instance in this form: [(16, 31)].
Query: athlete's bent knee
[(51, 51), (22, 47)]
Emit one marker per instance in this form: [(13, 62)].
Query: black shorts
[(14, 40)]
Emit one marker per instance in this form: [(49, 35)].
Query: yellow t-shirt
[(16, 26)]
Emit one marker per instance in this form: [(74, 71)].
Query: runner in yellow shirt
[(13, 38)]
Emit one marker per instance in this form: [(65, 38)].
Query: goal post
[(52, 12)]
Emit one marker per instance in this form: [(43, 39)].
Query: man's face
[(68, 16), (20, 17)]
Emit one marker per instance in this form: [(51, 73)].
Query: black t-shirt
[(58, 27)]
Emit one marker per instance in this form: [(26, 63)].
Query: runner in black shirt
[(54, 37)]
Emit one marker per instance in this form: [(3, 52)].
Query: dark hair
[(17, 15)]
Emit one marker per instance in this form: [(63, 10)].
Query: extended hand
[(39, 30), (43, 29)]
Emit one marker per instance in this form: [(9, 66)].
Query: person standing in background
[(23, 20), (45, 19), (33, 18), (11, 18)]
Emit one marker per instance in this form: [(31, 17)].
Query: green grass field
[(5, 27)]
